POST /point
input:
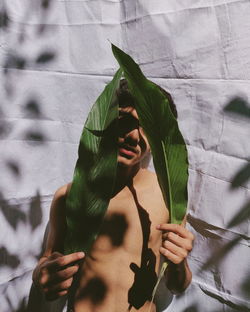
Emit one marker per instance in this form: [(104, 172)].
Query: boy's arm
[(54, 272), (178, 276), (177, 242)]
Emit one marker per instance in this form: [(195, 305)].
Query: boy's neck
[(126, 176)]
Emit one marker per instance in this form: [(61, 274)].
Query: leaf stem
[(163, 269)]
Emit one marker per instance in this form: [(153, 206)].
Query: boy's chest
[(130, 221), (125, 255)]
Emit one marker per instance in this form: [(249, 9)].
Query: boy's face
[(133, 145)]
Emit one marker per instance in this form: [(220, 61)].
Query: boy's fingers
[(169, 255), (177, 229), (174, 238), (55, 295), (178, 251), (62, 275), (64, 285), (62, 261)]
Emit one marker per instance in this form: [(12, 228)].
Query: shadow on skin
[(95, 291), (145, 275), (115, 227), (144, 280)]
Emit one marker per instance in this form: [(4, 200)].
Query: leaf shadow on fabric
[(35, 137), (242, 176), (32, 108), (220, 254), (12, 213), (5, 125), (14, 63), (192, 308), (246, 286), (238, 106), (45, 57), (4, 19), (22, 306), (234, 307), (15, 59), (14, 216), (35, 214), (202, 227), (207, 231), (8, 259), (240, 216), (14, 168)]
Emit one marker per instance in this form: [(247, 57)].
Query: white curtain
[(55, 59)]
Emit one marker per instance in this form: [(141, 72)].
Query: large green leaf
[(161, 128), (94, 173), (165, 139)]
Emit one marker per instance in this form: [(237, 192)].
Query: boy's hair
[(125, 98)]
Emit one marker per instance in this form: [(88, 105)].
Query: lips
[(127, 150)]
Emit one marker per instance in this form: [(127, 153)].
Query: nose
[(132, 137)]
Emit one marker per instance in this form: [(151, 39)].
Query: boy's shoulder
[(62, 192)]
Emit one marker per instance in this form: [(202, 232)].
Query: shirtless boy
[(120, 272)]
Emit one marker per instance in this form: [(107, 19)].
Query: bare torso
[(121, 270)]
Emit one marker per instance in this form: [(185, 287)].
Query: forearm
[(178, 276)]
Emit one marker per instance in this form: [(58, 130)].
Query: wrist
[(178, 276)]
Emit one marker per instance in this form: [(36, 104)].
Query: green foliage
[(94, 173), (95, 170), (165, 139), (166, 142)]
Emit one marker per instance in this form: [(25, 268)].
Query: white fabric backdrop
[(55, 61)]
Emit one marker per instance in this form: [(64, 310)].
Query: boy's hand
[(54, 274), (177, 242)]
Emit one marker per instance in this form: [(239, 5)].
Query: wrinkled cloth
[(56, 59)]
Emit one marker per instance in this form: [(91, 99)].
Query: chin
[(126, 162)]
